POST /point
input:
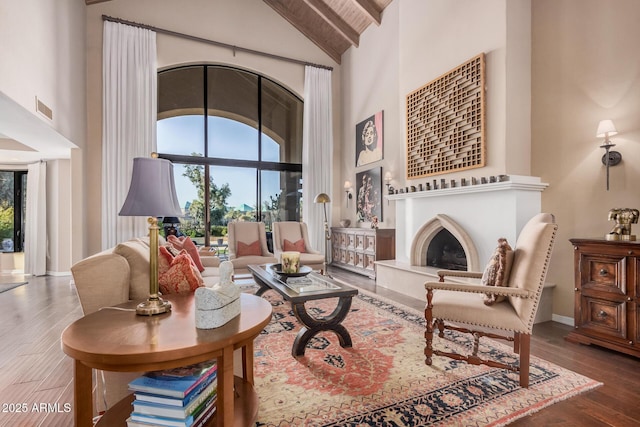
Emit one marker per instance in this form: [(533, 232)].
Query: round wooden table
[(122, 341)]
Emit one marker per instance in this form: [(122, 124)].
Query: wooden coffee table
[(322, 287), (116, 340)]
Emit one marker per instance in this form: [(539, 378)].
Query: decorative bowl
[(302, 271)]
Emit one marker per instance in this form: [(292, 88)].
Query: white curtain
[(317, 147), (35, 233), (129, 121)]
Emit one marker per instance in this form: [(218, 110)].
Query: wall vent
[(43, 109)]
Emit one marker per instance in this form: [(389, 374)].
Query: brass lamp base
[(153, 306)]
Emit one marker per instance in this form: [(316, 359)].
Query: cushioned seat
[(248, 245), (467, 308), (293, 236)]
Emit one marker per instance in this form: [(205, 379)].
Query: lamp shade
[(322, 198), (152, 191), (606, 127)]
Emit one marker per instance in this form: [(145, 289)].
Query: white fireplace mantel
[(515, 182)]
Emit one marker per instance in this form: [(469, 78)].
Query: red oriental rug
[(383, 381)]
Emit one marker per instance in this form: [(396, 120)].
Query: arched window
[(235, 139)]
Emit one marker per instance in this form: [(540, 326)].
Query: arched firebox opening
[(452, 246), (446, 252)]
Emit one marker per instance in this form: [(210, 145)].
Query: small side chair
[(462, 305), (296, 233)]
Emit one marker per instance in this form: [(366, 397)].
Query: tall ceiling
[(333, 25)]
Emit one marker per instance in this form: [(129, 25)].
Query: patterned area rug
[(383, 381)]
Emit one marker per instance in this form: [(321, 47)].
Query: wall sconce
[(610, 158), (387, 182), (347, 189)]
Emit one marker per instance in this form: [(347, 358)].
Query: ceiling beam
[(369, 8), (332, 18), (304, 29), (89, 2)]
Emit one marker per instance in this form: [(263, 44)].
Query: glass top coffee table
[(301, 289)]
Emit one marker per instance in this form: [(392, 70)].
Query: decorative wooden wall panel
[(445, 122)]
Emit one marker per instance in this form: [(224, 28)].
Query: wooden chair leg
[(428, 334), (525, 349), (516, 342)]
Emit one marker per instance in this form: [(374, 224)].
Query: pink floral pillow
[(298, 246), (187, 244), (165, 257), (181, 277)]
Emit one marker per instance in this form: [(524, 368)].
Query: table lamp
[(153, 194)]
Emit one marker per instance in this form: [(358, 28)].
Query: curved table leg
[(312, 325)]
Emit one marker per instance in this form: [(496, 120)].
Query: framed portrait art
[(369, 195), (369, 140)]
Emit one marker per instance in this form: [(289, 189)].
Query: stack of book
[(180, 397)]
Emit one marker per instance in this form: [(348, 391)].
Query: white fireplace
[(476, 215)]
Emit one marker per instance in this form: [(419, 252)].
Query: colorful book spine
[(205, 409), (177, 382), (152, 408), (175, 401)]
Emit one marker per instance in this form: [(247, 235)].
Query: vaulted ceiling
[(333, 25)]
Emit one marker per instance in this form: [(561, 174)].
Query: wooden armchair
[(296, 234), (512, 319)]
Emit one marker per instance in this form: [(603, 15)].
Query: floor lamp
[(153, 194), (324, 199)]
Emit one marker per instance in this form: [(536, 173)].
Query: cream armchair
[(295, 232), (248, 245), (513, 318)]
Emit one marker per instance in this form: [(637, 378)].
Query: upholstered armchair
[(293, 236), (248, 245), (467, 309)]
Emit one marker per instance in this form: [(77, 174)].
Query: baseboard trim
[(563, 319), (58, 273)]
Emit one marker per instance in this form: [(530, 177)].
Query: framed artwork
[(369, 195), (369, 140), (446, 122)]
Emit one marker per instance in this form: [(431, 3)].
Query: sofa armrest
[(101, 281), (210, 260)]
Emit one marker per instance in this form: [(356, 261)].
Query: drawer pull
[(602, 314), (603, 272)]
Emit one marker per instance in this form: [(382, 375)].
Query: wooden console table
[(117, 340), (357, 249)]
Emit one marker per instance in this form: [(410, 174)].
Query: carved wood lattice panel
[(445, 122)]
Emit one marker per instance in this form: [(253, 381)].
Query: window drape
[(317, 147), (129, 121), (35, 233)]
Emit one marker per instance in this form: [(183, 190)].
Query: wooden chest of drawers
[(607, 294), (357, 249)]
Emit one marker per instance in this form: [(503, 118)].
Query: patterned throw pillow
[(497, 270), (244, 249), (181, 277), (165, 257), (187, 244), (297, 246)]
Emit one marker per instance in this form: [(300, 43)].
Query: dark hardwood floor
[(36, 377)]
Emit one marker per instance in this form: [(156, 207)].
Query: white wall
[(42, 45), (418, 42)]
